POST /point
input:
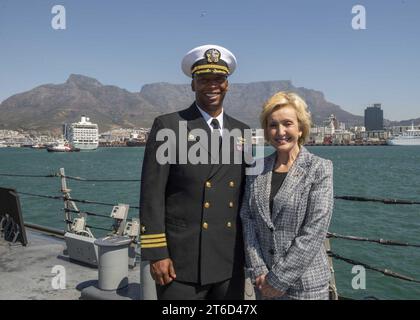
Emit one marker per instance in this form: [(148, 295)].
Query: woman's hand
[(259, 281), (265, 288)]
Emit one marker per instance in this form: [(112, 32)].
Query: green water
[(383, 172)]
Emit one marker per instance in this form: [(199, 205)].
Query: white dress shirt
[(208, 118)]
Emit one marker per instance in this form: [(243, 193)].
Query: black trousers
[(230, 289)]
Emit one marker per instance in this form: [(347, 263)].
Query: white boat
[(83, 135), (62, 146), (411, 137), (39, 146)]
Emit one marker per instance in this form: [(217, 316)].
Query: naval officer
[(189, 212)]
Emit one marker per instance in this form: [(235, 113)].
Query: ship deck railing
[(330, 235)]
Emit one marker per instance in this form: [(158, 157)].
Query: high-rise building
[(374, 118)]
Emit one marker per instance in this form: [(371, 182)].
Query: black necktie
[(215, 124), (216, 130)]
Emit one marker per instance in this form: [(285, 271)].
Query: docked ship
[(411, 137), (83, 135), (136, 140)]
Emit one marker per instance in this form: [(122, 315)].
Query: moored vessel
[(411, 137), (83, 135), (62, 146), (135, 143)]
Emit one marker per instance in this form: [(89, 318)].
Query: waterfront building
[(358, 129), (122, 135), (332, 132), (343, 137), (375, 135), (9, 134), (331, 123), (374, 118)]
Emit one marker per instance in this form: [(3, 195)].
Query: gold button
[(207, 205), (231, 184), (143, 229), (205, 225), (229, 224), (208, 184), (230, 204)]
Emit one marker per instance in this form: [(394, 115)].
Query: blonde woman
[(287, 209)]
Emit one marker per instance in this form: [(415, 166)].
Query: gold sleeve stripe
[(153, 240), (153, 245), (152, 236)]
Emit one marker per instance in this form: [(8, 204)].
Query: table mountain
[(48, 106)]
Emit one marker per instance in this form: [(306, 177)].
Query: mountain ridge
[(48, 106)]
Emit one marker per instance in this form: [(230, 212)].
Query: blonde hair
[(283, 99)]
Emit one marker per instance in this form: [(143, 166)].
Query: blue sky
[(311, 42)]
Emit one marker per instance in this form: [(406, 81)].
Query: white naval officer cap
[(208, 59)]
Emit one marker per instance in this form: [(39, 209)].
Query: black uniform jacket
[(190, 212)]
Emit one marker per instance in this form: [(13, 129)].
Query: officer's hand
[(162, 271)]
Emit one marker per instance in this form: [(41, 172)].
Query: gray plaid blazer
[(288, 244)]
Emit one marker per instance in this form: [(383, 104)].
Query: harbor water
[(375, 172)]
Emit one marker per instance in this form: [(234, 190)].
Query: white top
[(208, 118)]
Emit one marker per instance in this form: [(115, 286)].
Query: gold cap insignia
[(212, 55)]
